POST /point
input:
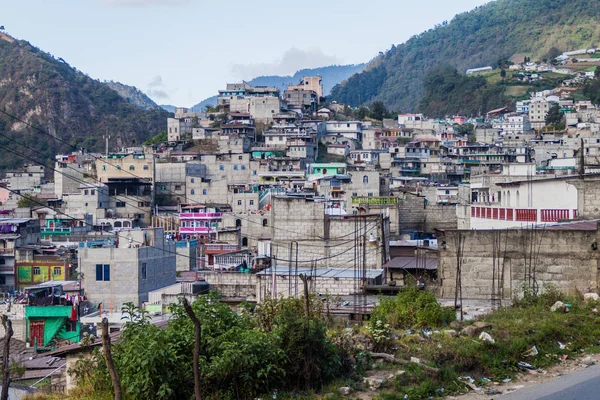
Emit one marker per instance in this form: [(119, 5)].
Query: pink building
[(458, 119), (199, 222)]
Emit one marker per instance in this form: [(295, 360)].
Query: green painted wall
[(55, 318)]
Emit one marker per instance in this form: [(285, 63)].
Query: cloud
[(145, 3), (291, 61), (156, 89)]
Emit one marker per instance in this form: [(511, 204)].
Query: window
[(144, 271), (365, 179), (222, 167), (192, 180), (235, 167), (177, 187), (204, 192), (370, 194), (251, 202), (265, 222), (163, 187), (239, 157), (238, 223), (2, 261), (354, 194), (57, 271), (120, 204), (243, 167), (102, 272), (146, 168), (239, 202), (93, 192), (140, 204), (192, 191), (104, 168), (36, 270), (85, 192), (253, 172), (131, 168), (118, 167)]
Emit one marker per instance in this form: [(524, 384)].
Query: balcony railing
[(56, 231), (197, 229), (200, 215), (220, 248)]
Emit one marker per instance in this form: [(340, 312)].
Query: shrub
[(412, 308)]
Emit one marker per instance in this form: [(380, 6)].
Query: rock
[(449, 332), (594, 310), (345, 391), (415, 360), (395, 374), (588, 361), (482, 325), (475, 329), (373, 383), (558, 306), (591, 297), (455, 325), (492, 392), (486, 337)]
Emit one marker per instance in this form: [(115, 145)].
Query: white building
[(514, 125)]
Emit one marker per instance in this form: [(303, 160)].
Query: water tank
[(200, 287)]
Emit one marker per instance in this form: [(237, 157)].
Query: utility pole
[(8, 330), (109, 360), (306, 298), (198, 338)]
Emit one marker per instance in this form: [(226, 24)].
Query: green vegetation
[(555, 118), (28, 200), (278, 349), (592, 89), (501, 29), (449, 93), (162, 137), (274, 347), (66, 103)]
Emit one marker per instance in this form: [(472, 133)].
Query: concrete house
[(138, 262)]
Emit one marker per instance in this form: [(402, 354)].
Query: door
[(36, 331)]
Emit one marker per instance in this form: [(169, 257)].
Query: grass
[(515, 330)]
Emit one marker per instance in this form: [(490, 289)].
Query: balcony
[(218, 248), (197, 229), (55, 231), (7, 252), (200, 215)]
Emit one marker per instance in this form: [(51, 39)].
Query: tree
[(378, 111), (554, 115), (29, 200), (503, 73)]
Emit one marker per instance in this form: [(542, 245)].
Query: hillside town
[(272, 195)]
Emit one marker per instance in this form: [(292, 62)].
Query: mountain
[(133, 95), (38, 89), (168, 107), (496, 30), (332, 75)]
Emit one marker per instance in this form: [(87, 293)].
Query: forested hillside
[(500, 29), (39, 89)]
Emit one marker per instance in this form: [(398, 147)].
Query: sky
[(180, 52)]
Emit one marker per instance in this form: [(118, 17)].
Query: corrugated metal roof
[(412, 263)]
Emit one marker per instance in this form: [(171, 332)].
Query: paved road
[(580, 385)]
